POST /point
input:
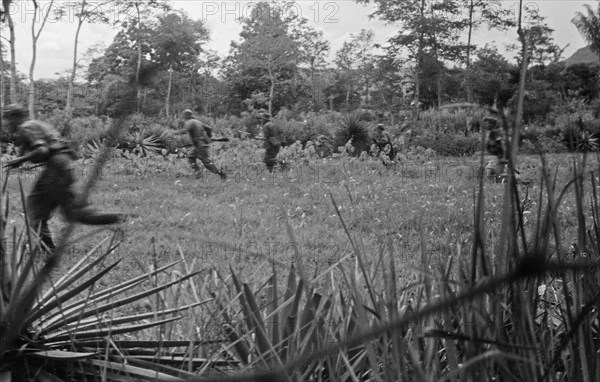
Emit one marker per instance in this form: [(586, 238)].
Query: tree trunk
[(34, 38), (419, 63), (69, 103), (272, 90), (271, 94), (366, 75), (168, 100), (139, 58), (314, 85), (348, 99), (468, 64), (1, 89), (31, 88), (13, 60), (439, 86)]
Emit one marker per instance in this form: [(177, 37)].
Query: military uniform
[(382, 139), (55, 185), (272, 144), (495, 146), (201, 142)]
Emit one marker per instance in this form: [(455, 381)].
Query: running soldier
[(495, 145), (200, 135), (40, 143), (272, 145)]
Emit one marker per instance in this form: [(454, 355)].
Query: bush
[(60, 121), (544, 145), (85, 130), (448, 144), (354, 128), (449, 121)]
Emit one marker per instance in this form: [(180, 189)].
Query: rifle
[(222, 139)]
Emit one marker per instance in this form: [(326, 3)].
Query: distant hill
[(583, 56)]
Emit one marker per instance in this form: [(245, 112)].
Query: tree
[(494, 79), (389, 82), (177, 45), (429, 28), (120, 58), (268, 52), (542, 48), (589, 26), (12, 42), (363, 45), (141, 9), (491, 13), (35, 35), (312, 49), (89, 13), (580, 80), (344, 60)]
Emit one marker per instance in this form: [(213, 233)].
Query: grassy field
[(418, 215), (413, 207)]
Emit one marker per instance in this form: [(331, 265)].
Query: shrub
[(448, 144), (354, 127), (449, 121), (84, 130)]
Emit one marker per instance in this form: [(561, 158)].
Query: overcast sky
[(337, 19)]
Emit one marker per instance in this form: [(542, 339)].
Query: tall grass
[(525, 309)]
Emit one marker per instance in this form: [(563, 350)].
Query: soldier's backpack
[(208, 130)]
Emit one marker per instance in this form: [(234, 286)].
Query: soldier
[(383, 139), (200, 135), (40, 143), (272, 145), (495, 145)]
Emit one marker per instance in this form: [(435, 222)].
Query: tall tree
[(363, 45), (35, 35), (268, 49), (491, 13), (6, 15), (389, 87), (132, 16), (494, 79), (85, 12), (588, 24), (177, 45), (313, 50), (542, 48), (345, 62), (428, 28)]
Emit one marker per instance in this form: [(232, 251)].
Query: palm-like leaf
[(143, 142), (75, 321), (354, 128)]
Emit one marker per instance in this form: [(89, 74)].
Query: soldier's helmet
[(14, 110), (491, 122), (263, 114), (380, 127), (187, 113)]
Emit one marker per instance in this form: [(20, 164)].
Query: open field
[(374, 245), (414, 207)]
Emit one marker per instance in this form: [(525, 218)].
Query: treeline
[(280, 63)]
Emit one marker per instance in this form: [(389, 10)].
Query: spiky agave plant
[(142, 142), (71, 331), (65, 330), (354, 127)]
